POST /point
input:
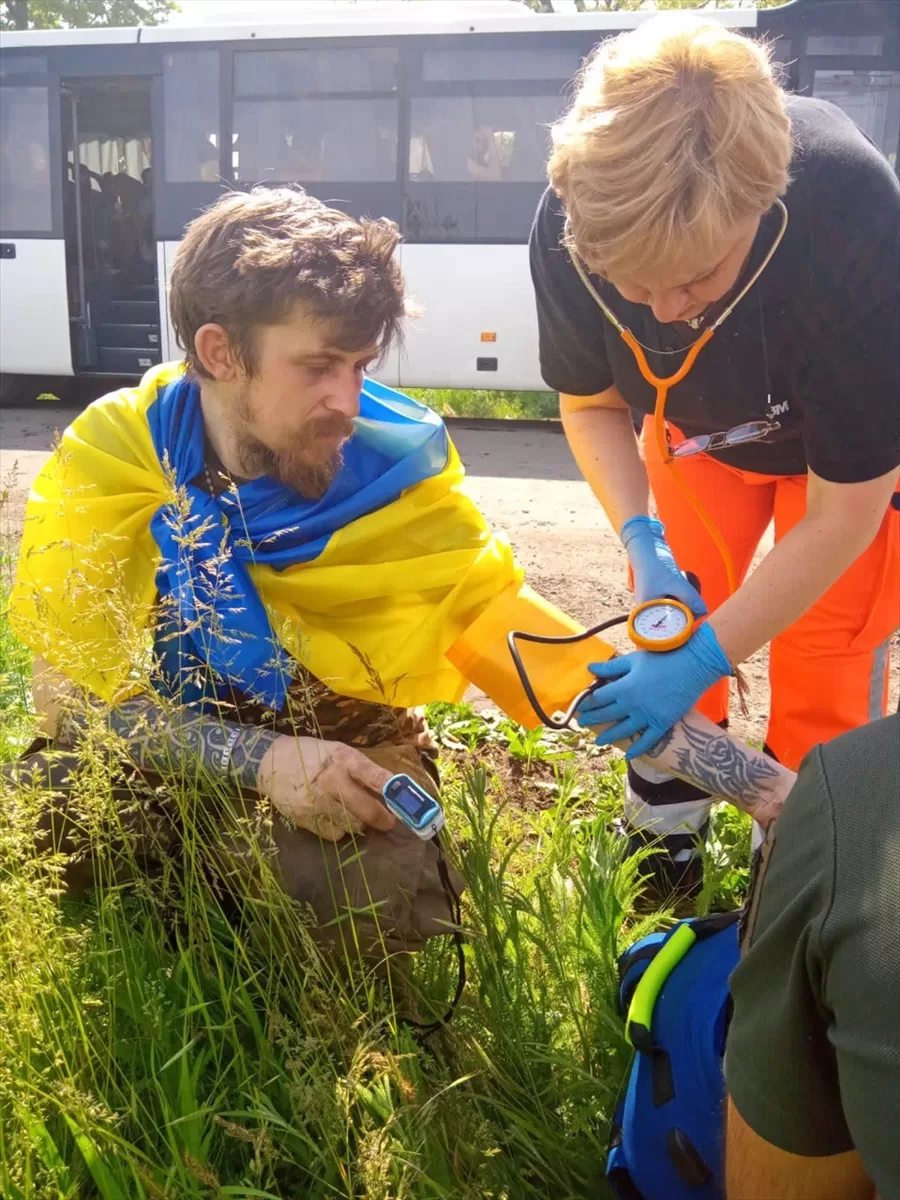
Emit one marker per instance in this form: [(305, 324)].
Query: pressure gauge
[(660, 624)]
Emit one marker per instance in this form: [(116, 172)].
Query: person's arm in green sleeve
[(788, 1135)]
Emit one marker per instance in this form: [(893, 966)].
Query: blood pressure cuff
[(667, 1137)]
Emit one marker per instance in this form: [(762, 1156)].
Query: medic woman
[(721, 259)]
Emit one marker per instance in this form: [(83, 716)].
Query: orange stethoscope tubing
[(662, 442), (663, 384)]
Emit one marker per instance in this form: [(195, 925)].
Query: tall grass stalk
[(180, 1032), (154, 1041)]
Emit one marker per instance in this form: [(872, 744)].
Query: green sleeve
[(780, 1068), (861, 942)]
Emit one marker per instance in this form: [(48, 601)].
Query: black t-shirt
[(819, 332)]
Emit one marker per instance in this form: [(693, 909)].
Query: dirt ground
[(526, 483)]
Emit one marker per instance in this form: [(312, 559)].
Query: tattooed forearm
[(701, 753), (725, 767), (662, 745), (167, 742)]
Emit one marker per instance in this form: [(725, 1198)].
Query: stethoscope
[(663, 384)]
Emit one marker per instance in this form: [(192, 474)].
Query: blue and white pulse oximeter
[(412, 804)]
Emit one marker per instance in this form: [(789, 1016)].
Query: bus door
[(34, 318), (109, 230)]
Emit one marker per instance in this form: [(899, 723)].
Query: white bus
[(111, 140)]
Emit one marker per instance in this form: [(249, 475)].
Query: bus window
[(485, 139), (296, 72), (871, 99), (289, 128), (25, 197), (862, 45), (22, 64), (451, 66), (191, 127), (307, 141)]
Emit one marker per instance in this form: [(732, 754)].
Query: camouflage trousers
[(387, 884)]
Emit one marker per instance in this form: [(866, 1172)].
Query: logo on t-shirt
[(778, 410)]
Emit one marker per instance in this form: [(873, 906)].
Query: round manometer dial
[(660, 624)]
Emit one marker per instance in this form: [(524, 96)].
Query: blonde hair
[(678, 132)]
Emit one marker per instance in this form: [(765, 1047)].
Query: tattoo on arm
[(165, 742), (723, 766), (662, 745), (248, 752)]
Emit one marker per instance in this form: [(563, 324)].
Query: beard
[(309, 467)]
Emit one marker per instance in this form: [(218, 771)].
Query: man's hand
[(326, 787), (755, 1168), (49, 690)]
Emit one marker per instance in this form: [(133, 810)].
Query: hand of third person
[(329, 788), (646, 692)]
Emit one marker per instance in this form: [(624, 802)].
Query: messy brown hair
[(253, 258)]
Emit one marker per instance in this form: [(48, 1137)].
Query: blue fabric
[(647, 691), (689, 1025), (213, 617), (653, 565)]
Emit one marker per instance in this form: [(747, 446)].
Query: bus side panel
[(169, 348), (34, 312), (388, 371), (467, 294)]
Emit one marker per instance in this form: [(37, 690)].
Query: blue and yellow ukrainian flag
[(368, 588)]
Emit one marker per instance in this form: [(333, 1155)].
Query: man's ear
[(212, 346)]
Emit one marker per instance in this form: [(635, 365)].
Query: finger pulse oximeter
[(413, 806)]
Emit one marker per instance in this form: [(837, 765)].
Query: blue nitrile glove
[(650, 690), (655, 571)]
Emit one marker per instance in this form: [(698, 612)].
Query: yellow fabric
[(557, 673), (372, 616)]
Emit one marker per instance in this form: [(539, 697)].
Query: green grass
[(457, 402), (462, 402), (154, 1045)]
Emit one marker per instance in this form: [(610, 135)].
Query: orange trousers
[(829, 670)]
